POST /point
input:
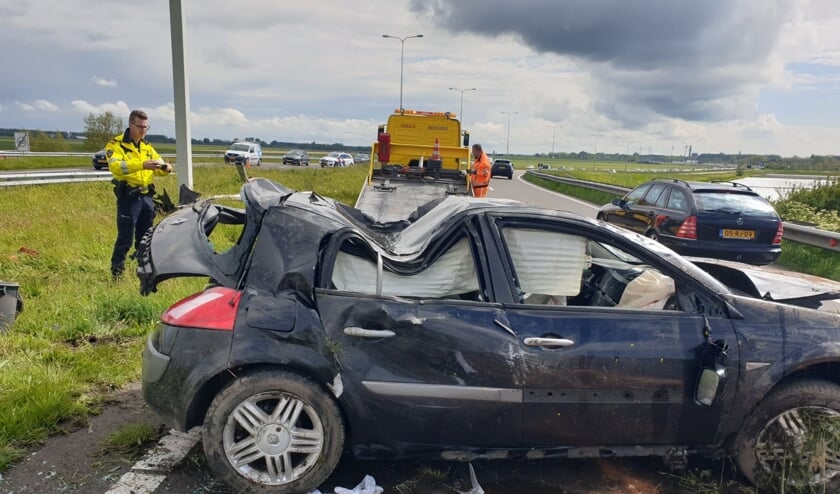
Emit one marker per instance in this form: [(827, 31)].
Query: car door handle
[(368, 333), (549, 342)]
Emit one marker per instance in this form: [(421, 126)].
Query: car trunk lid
[(181, 245)]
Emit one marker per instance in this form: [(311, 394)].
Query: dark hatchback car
[(502, 168), (322, 331), (99, 160), (297, 157), (723, 220)]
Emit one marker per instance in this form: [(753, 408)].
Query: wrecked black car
[(472, 329)]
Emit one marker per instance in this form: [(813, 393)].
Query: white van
[(251, 151)]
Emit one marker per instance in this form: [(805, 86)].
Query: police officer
[(134, 163)]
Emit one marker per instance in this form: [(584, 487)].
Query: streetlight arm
[(461, 112), (402, 58)]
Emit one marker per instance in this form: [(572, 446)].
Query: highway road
[(523, 191)]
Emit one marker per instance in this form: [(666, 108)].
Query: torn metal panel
[(771, 283)]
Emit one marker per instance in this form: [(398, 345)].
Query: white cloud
[(104, 82)]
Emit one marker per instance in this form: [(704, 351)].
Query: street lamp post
[(508, 113), (461, 111), (553, 134), (402, 53)]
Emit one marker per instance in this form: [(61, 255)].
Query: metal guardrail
[(38, 178), (801, 234)]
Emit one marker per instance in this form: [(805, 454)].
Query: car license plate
[(738, 234)]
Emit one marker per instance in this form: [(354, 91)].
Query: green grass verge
[(131, 441)]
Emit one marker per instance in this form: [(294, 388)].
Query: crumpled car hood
[(773, 283)]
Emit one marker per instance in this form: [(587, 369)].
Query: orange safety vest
[(481, 178)]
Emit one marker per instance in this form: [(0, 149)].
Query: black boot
[(117, 271)]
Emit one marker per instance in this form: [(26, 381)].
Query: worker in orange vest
[(480, 172)]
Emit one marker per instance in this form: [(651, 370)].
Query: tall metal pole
[(181, 87), (461, 111), (508, 113), (596, 136), (402, 58), (553, 134)]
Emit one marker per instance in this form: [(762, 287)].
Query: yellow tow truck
[(418, 156)]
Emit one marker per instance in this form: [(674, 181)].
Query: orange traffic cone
[(436, 150)]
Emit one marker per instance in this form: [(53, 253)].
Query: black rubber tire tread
[(273, 380), (792, 394)]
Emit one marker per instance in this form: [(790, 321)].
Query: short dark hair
[(477, 147), (137, 114)]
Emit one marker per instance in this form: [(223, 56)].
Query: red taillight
[(688, 229), (777, 240), (214, 308)]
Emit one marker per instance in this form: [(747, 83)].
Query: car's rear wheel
[(273, 431), (793, 437), (651, 234)]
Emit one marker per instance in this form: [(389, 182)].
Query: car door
[(621, 214), (424, 364), (641, 216), (597, 369)]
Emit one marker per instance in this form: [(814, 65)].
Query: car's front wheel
[(793, 437), (273, 431)]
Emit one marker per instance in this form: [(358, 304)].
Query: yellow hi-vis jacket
[(125, 160)]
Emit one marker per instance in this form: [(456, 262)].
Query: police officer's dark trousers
[(135, 215)]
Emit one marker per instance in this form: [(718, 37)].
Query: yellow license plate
[(743, 234)]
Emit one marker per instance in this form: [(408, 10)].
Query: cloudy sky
[(756, 76)]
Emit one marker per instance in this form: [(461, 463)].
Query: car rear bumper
[(179, 366), (731, 252)]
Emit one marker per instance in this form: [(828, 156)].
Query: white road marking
[(148, 473), (137, 483)]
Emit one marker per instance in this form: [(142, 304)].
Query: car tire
[(259, 162), (781, 411), (651, 234), (299, 461)]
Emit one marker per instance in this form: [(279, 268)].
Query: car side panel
[(440, 375), (628, 378)]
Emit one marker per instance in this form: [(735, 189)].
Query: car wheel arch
[(787, 396), (213, 385)]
